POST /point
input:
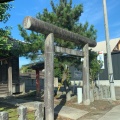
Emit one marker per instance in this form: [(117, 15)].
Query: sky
[(93, 13)]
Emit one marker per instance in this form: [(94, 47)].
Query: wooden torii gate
[(51, 31)]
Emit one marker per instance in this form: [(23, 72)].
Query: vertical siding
[(3, 72), (15, 69), (104, 72), (116, 67), (0, 72)]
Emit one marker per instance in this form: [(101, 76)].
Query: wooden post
[(49, 78), (86, 84), (10, 77), (37, 83)]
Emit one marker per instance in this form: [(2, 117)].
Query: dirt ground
[(96, 109)]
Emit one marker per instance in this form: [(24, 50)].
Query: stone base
[(86, 102)]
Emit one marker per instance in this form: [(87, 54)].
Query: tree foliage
[(4, 32), (66, 16), (95, 65)]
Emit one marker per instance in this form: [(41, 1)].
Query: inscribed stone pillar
[(86, 84), (10, 77)]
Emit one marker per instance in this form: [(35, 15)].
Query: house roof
[(36, 66), (39, 66), (16, 43), (101, 46), (15, 46)]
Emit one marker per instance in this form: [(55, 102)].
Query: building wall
[(3, 73), (76, 76), (30, 81), (4, 70), (119, 45), (15, 69), (103, 75), (116, 67), (101, 82)]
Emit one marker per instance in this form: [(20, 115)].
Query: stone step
[(4, 94), (3, 85), (3, 90)]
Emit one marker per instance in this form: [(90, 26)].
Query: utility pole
[(109, 60)]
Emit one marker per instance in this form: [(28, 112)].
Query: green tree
[(66, 16), (4, 32), (95, 66)]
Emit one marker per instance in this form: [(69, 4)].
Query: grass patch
[(12, 110)]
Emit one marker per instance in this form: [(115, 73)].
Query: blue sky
[(93, 13)]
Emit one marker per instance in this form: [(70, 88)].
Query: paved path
[(113, 114), (69, 112)]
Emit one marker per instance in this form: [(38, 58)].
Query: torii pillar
[(86, 81), (49, 78)]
